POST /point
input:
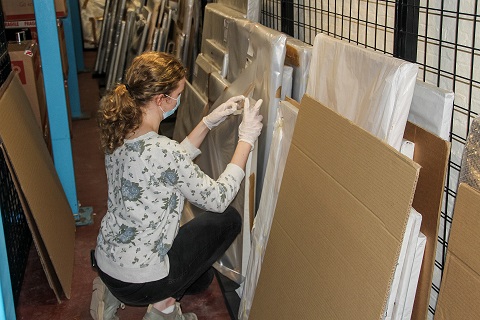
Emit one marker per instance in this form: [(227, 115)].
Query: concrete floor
[(37, 300)]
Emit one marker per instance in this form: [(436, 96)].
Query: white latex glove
[(221, 113), (251, 125)]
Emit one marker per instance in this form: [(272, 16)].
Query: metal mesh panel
[(18, 238), (439, 35)]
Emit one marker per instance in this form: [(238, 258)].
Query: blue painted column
[(56, 97), (74, 14), (73, 92), (7, 306)]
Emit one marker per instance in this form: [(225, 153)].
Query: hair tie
[(128, 88)]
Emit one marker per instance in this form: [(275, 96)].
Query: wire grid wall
[(18, 238), (440, 36)]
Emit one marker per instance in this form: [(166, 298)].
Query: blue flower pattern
[(131, 191)]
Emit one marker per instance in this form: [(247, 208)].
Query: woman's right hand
[(251, 125)]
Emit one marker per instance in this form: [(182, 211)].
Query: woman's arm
[(240, 156), (217, 116), (198, 134)]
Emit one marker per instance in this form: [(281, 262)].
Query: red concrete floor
[(37, 300)]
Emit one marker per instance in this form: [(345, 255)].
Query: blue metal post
[(7, 307), (73, 92), (56, 97), (74, 14)]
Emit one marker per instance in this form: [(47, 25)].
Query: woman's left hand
[(220, 113)]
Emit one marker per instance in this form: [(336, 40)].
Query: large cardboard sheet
[(282, 138), (338, 225), (49, 215), (460, 288), (371, 89), (432, 153)]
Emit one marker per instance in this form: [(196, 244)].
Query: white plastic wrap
[(371, 89), (401, 277), (432, 109), (415, 275), (282, 137)]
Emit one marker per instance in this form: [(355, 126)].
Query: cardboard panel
[(431, 152), (38, 182), (25, 59), (460, 288), (24, 10), (338, 225)]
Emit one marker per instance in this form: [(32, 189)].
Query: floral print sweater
[(149, 178)]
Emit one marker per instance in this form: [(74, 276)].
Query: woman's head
[(121, 109)]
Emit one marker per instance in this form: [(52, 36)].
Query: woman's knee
[(235, 218)]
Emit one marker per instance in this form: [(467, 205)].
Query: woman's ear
[(159, 98)]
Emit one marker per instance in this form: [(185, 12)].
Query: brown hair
[(151, 73)]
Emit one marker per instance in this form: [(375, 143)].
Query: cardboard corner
[(460, 287)]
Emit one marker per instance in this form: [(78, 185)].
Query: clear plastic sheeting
[(216, 21), (251, 8), (371, 89), (282, 137), (193, 107), (201, 73), (216, 86), (470, 170), (217, 151), (431, 109), (266, 48), (298, 56), (287, 79), (218, 55)]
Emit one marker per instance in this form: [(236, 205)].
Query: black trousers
[(199, 243)]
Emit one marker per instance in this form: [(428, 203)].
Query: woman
[(143, 256)]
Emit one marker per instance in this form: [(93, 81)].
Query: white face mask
[(169, 113)]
